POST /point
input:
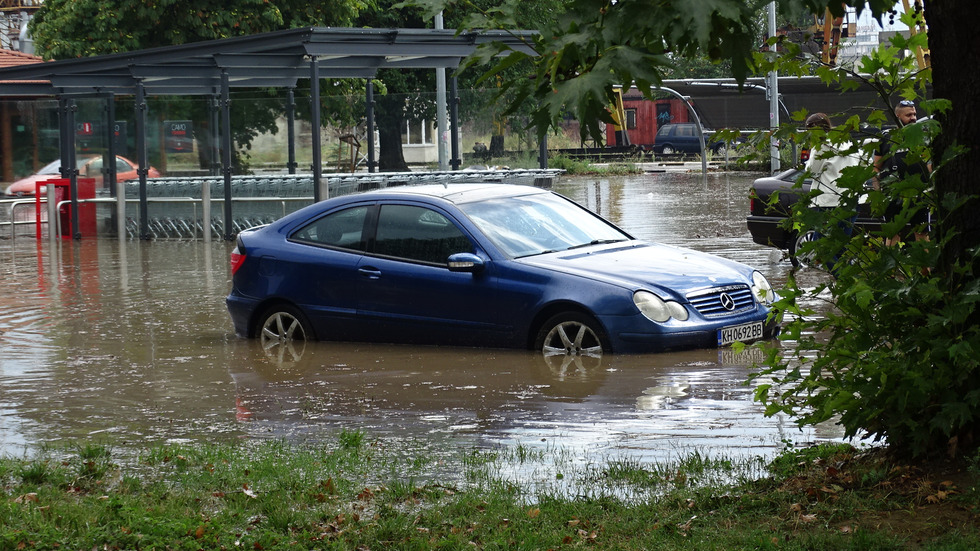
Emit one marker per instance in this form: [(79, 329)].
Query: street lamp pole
[(773, 98)]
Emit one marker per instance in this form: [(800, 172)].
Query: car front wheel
[(571, 334), (798, 257), (667, 150), (283, 323)]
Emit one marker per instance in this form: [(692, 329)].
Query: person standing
[(826, 163), (894, 164), (825, 166)]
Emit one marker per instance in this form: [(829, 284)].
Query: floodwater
[(130, 343)]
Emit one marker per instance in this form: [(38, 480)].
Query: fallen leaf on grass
[(31, 497), (686, 527)]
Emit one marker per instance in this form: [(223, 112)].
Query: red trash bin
[(86, 212)]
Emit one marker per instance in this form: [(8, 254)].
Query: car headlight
[(657, 309), (762, 290)]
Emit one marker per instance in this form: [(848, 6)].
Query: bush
[(895, 356)]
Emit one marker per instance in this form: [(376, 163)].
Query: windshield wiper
[(536, 253), (595, 242)]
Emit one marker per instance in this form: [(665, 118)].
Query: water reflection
[(131, 342)]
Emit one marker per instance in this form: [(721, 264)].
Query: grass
[(361, 494), (579, 166)]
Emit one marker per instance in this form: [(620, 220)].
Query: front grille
[(710, 304)]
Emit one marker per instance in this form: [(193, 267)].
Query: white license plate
[(745, 333)]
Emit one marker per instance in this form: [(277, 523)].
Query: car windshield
[(539, 223), (54, 167)]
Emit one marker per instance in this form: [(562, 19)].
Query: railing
[(170, 226), (176, 225), (9, 217)]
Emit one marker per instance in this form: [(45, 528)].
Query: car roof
[(460, 193)]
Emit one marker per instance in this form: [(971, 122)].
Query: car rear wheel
[(667, 150), (283, 323), (571, 334), (796, 256)]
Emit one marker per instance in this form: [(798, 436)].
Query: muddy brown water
[(129, 343)]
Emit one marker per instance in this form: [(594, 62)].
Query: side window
[(338, 229), (122, 166), (686, 131), (630, 118), (417, 233)]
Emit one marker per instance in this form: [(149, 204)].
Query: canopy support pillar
[(319, 194), (141, 161), (291, 130), (226, 169), (109, 163), (454, 122)]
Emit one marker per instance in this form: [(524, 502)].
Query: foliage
[(593, 45), (893, 356), (79, 28)]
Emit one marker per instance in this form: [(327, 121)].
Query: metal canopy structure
[(276, 59)]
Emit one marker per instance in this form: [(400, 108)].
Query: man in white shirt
[(825, 165)]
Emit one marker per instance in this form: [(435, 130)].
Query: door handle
[(370, 272)]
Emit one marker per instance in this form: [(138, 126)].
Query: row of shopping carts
[(175, 210)]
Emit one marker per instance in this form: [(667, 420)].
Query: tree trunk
[(497, 145), (390, 157), (954, 46), (389, 112)]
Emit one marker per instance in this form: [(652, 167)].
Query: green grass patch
[(359, 493)]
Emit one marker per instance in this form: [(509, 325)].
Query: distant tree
[(64, 29), (80, 28)]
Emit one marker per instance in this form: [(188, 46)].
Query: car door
[(406, 292), (318, 269)]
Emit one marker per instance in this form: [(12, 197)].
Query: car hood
[(26, 186), (657, 267)]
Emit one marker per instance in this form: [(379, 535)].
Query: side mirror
[(466, 262)]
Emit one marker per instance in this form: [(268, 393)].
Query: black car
[(767, 222)]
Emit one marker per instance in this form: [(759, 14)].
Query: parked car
[(88, 167), (767, 222), (683, 138), (493, 265)]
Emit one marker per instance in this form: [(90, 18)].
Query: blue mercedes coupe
[(493, 265)]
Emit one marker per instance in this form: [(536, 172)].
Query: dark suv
[(683, 138)]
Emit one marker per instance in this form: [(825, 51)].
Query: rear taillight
[(237, 259)]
